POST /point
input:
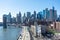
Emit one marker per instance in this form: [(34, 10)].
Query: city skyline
[(14, 6)]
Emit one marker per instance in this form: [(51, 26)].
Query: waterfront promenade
[(30, 34), (25, 34)]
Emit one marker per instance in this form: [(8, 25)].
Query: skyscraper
[(50, 15), (13, 20), (19, 18), (53, 14), (9, 17), (58, 18), (35, 16), (46, 14), (39, 16), (28, 16), (24, 18)]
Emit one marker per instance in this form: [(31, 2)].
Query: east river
[(11, 33)]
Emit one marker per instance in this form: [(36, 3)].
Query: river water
[(11, 33)]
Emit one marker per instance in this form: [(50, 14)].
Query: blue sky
[(14, 6)]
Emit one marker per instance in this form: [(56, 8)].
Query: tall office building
[(24, 18), (28, 16), (35, 16), (46, 14), (39, 16), (50, 15), (13, 20), (53, 14), (58, 19), (19, 18), (9, 17)]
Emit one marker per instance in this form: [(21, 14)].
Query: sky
[(14, 6)]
